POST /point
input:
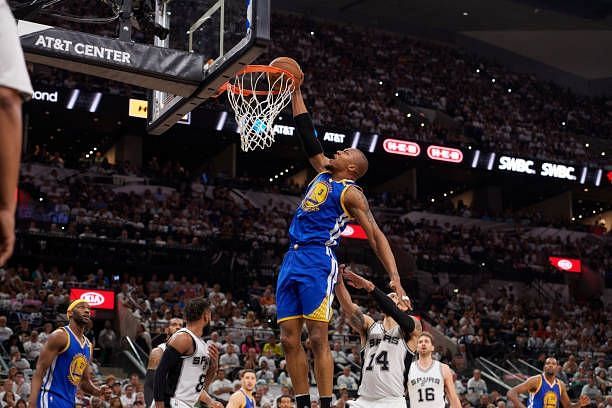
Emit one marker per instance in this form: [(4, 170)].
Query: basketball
[(290, 65)]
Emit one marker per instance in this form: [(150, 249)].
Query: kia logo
[(565, 264), (93, 298), (348, 231)]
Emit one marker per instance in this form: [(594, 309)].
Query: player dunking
[(188, 363), (545, 390), (388, 346), (63, 364), (243, 398), (155, 356), (14, 85), (305, 286), (429, 380)]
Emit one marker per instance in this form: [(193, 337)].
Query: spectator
[(129, 396), (5, 332), (229, 360), (107, 340), (18, 361), (591, 390), (22, 387), (33, 346), (221, 388), (274, 347), (476, 388), (265, 373), (347, 380)]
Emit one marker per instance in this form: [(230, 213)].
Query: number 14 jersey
[(386, 360)]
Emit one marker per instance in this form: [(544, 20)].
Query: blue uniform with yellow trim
[(547, 395), (305, 286), (248, 401), (60, 382)]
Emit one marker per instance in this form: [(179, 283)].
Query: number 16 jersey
[(386, 360)]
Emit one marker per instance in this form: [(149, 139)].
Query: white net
[(257, 98)]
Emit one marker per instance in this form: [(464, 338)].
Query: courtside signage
[(401, 147), (97, 299), (354, 231), (566, 264)]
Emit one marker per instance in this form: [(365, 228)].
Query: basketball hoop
[(258, 94)]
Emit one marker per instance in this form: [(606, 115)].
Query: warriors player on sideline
[(14, 87), (188, 364), (63, 363), (305, 286), (388, 345), (173, 326), (545, 390), (243, 398), (430, 380)]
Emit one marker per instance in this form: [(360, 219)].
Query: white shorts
[(388, 402), (174, 403), (13, 72)]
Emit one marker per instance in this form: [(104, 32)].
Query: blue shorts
[(305, 286)]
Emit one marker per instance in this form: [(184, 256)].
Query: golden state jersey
[(60, 381), (321, 216), (547, 395)]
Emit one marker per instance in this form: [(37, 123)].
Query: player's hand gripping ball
[(290, 65)]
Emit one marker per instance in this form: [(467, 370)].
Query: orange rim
[(252, 69)]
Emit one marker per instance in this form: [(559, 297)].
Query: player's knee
[(318, 341), (9, 99), (290, 342)]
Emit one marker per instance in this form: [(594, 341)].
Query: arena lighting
[(95, 102), (312, 33), (73, 98), (491, 161), (356, 138), (446, 154), (562, 123), (566, 264), (97, 299), (221, 121), (598, 177), (509, 90), (573, 218), (396, 94), (401, 147), (465, 13), (583, 175), (603, 153), (609, 176), (493, 80), (380, 82), (586, 145), (408, 115), (475, 159), (373, 143)]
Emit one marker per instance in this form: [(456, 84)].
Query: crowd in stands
[(380, 92), (33, 302)]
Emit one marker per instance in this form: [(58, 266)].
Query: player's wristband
[(306, 132)]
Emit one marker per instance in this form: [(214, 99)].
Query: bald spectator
[(476, 387)]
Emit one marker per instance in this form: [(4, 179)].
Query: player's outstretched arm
[(179, 345), (583, 401), (529, 385), (154, 358), (407, 323), (56, 342), (449, 385), (306, 132), (357, 205), (356, 319)]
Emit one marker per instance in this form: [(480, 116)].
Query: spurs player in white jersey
[(430, 381), (188, 364), (155, 356), (388, 346)]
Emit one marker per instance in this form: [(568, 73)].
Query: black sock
[(325, 402), (302, 401)]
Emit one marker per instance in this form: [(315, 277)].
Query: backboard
[(208, 42)]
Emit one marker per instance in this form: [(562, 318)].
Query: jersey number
[(429, 394), (201, 382), (381, 359)]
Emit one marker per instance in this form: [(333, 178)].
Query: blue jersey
[(547, 395), (321, 216), (62, 378), (248, 402)]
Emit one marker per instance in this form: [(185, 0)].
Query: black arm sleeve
[(170, 358), (306, 132), (148, 387), (390, 309)]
